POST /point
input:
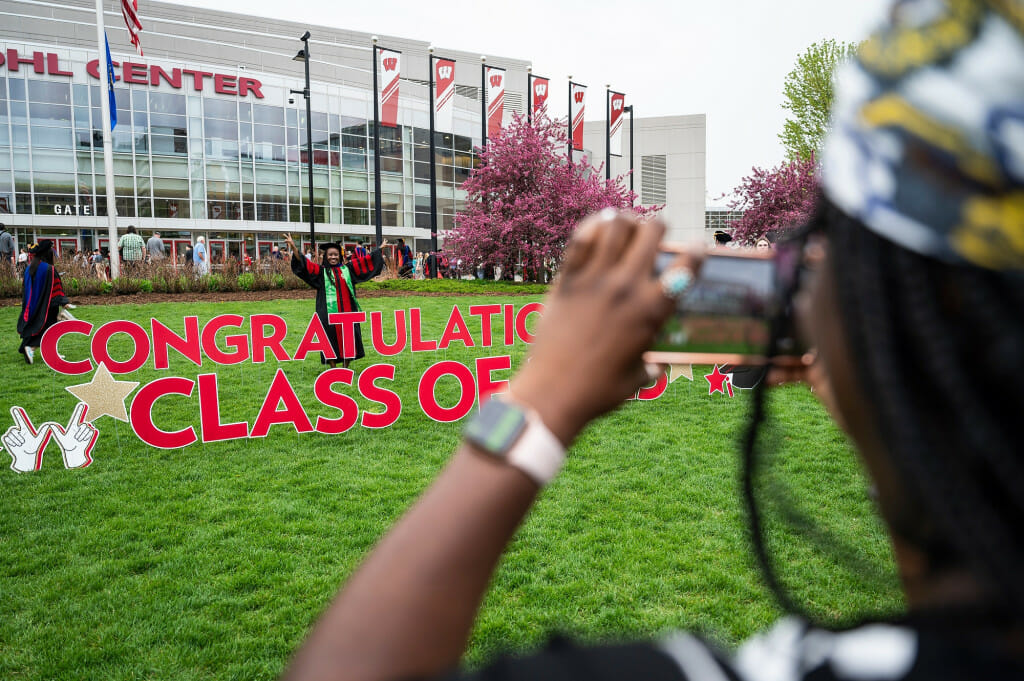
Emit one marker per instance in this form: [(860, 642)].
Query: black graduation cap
[(42, 248)]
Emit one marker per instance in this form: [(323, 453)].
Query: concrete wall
[(683, 141)]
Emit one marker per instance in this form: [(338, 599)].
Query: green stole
[(330, 289)]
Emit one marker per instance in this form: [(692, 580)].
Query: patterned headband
[(927, 140)]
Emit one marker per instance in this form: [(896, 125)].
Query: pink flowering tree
[(774, 201), (525, 199)]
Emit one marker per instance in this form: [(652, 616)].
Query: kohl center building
[(210, 142)]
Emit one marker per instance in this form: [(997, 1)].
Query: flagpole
[(376, 149), (433, 158), (108, 152)]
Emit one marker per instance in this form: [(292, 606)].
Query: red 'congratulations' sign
[(233, 339)]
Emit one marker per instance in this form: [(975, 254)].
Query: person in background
[(155, 247), (201, 257), (132, 248), (97, 264), (361, 249), (908, 282), (436, 266), (43, 296), (403, 259), (417, 266), (22, 262), (190, 254), (7, 250)]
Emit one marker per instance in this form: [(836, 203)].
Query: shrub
[(215, 282), (10, 287), (273, 275), (125, 286)]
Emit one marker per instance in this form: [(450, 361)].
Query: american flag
[(130, 11)]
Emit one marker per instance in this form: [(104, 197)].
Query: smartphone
[(726, 314)]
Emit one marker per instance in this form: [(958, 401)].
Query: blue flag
[(110, 82)]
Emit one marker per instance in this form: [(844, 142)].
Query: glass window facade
[(199, 156)]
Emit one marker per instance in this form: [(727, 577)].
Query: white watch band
[(537, 452)]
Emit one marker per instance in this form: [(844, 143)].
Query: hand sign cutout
[(77, 440), (24, 443)]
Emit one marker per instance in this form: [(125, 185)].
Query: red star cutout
[(719, 383)]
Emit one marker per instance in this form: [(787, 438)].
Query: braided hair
[(939, 350)]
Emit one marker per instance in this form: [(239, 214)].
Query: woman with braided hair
[(910, 290)]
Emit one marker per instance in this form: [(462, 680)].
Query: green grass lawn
[(212, 562)]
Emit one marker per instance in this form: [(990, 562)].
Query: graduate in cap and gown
[(334, 279), (42, 299)]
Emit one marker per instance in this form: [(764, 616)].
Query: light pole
[(303, 56), (433, 156)]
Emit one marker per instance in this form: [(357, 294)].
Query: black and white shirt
[(790, 651)]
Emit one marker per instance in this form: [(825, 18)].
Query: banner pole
[(529, 95), (108, 152), (433, 158), (376, 150), (608, 132), (570, 119), (631, 172), (483, 103)]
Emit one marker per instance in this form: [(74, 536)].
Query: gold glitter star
[(104, 395), (678, 371)]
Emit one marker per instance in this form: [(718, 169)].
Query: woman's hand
[(291, 244), (603, 313)]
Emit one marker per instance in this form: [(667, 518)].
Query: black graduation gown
[(326, 279), (40, 304)]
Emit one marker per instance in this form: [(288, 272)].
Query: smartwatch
[(516, 435)]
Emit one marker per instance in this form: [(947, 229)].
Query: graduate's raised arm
[(302, 267)]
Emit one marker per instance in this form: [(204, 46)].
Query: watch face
[(496, 427)]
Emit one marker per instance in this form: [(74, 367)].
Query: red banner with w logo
[(495, 100), (444, 95), (577, 104), (390, 69), (616, 108), (539, 96)]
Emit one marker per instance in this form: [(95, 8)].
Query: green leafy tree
[(808, 97)]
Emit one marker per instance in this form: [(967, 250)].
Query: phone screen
[(725, 315)]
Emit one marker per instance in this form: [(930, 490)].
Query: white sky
[(724, 58)]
